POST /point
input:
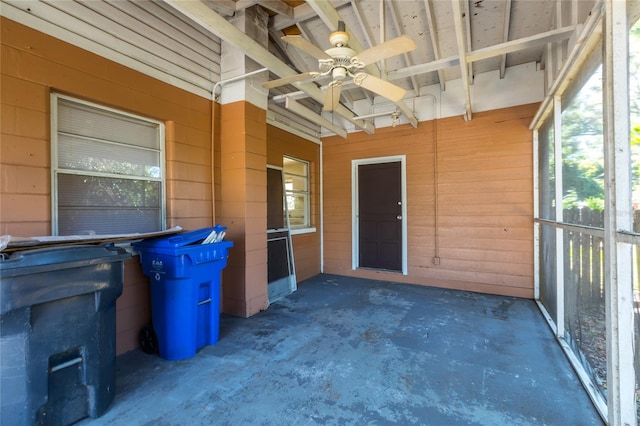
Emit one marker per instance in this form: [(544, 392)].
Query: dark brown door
[(379, 216)]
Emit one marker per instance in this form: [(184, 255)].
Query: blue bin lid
[(179, 240)]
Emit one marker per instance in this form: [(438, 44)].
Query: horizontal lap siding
[(485, 200), (306, 247), (33, 66)]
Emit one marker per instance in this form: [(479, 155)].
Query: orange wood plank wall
[(33, 66), (306, 246), (485, 200), (243, 206)]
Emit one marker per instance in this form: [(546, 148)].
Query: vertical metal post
[(557, 145), (536, 214), (618, 256)]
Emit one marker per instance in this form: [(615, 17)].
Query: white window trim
[(298, 231), (301, 229), (54, 156)]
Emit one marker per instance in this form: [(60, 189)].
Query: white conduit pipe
[(232, 79), (214, 99)]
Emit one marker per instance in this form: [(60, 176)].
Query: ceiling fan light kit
[(341, 61)]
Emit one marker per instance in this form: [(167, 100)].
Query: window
[(107, 170), (296, 185)]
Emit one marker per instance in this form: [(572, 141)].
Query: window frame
[(308, 226), (56, 170)]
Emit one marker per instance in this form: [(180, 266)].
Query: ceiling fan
[(341, 61)]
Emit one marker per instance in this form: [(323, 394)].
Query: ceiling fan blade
[(379, 86), (306, 46), (332, 96), (386, 50), (288, 80)]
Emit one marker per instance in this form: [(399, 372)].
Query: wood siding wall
[(484, 192), (33, 66), (243, 206), (306, 247)]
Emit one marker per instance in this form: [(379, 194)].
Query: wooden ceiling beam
[(467, 24), (223, 7), (368, 35), (212, 21), (277, 6), (245, 4), (301, 13), (330, 17), (521, 43), (312, 116), (505, 35), (462, 54), (487, 52), (407, 58), (435, 42)]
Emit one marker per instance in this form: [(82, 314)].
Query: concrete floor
[(347, 351)]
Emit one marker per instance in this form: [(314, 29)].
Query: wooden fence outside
[(584, 259)]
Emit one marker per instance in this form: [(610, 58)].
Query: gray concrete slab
[(351, 352)]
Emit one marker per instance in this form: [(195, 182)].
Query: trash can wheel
[(148, 341)]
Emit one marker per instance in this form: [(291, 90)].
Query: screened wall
[(588, 208)]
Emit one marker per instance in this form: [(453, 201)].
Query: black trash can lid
[(63, 255)]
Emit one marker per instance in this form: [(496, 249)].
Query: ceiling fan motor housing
[(339, 38), (341, 60)]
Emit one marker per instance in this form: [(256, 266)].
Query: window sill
[(297, 231)]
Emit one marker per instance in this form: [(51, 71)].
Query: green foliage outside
[(582, 137), (634, 109)]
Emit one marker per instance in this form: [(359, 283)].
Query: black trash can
[(57, 333), (184, 273)]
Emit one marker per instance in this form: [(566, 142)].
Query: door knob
[(399, 217)]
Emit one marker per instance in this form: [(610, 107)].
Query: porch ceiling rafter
[(522, 43), (213, 22), (276, 6), (462, 55), (301, 13), (505, 35), (223, 7), (435, 44), (298, 108), (407, 59), (368, 35), (467, 24), (330, 16), (487, 52)]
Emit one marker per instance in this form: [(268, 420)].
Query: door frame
[(355, 208)]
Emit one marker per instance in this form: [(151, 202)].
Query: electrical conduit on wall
[(214, 100)]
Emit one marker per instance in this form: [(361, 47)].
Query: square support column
[(242, 201), (243, 206)]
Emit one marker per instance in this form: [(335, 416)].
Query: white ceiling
[(177, 42), (477, 36)]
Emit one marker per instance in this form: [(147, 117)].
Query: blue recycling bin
[(184, 275)]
